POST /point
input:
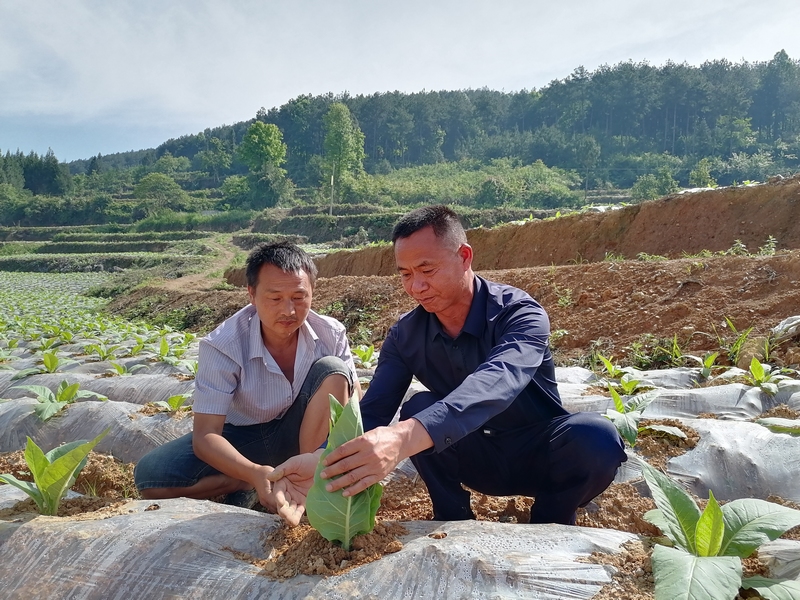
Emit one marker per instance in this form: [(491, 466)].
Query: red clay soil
[(683, 223), (608, 305)]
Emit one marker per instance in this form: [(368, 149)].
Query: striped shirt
[(238, 377)]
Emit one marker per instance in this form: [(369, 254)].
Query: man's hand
[(292, 480), (369, 458)]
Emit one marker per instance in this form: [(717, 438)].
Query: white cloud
[(194, 64)]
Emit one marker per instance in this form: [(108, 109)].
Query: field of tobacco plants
[(699, 510)]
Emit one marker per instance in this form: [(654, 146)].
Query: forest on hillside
[(632, 126)]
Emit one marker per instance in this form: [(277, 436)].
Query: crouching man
[(493, 419), (261, 391)]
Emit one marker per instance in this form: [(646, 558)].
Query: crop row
[(67, 263)]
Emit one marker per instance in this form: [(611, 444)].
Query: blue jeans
[(175, 465), (563, 462)]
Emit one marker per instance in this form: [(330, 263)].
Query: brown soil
[(628, 309), (302, 550)]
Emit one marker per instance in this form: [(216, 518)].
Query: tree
[(262, 147), (159, 192), (700, 176), (344, 146), (215, 158)]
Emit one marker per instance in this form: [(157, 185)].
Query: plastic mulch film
[(193, 549), (739, 460), (132, 434), (782, 557)]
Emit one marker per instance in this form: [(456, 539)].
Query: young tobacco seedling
[(627, 415), (365, 355), (705, 561), (612, 370), (706, 363), (122, 370), (761, 375), (51, 363), (51, 404), (174, 403), (336, 517), (53, 473)]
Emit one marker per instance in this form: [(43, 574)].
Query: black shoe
[(242, 499)]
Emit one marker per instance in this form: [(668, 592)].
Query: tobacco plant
[(336, 517), (704, 561), (53, 472), (50, 404), (627, 415), (761, 375)]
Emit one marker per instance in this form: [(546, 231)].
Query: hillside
[(620, 307)]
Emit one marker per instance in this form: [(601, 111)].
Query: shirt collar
[(476, 317)]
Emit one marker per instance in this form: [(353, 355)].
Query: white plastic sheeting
[(185, 550), (739, 460), (132, 434)]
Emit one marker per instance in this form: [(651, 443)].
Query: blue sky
[(89, 76)]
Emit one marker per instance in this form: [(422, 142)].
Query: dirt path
[(204, 280)]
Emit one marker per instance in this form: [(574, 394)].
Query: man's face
[(282, 301), (435, 272)]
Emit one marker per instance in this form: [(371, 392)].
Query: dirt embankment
[(686, 223)]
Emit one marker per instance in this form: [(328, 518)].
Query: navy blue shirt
[(498, 373)]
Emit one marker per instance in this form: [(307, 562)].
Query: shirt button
[(448, 441)]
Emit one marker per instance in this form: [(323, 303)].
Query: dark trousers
[(563, 463)]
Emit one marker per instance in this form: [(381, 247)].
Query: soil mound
[(682, 223)]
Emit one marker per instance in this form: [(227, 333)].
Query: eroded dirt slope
[(685, 223)]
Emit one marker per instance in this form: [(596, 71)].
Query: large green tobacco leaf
[(676, 509), (773, 589), (626, 423), (682, 576), (336, 517), (710, 529), (750, 522)]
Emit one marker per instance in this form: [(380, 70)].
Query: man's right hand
[(291, 482)]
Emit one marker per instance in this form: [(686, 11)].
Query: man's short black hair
[(443, 220), (288, 257)]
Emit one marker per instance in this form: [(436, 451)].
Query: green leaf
[(677, 508), (26, 486), (48, 408), (618, 404), (57, 477), (641, 401), (50, 361), (26, 372), (682, 576), (43, 394), (668, 429), (336, 517), (750, 522), (627, 424), (777, 425), (757, 370), (163, 349), (66, 392), (773, 589), (710, 529)]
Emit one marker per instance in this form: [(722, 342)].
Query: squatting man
[(492, 419), (261, 392)]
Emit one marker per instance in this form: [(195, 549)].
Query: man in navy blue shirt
[(493, 419)]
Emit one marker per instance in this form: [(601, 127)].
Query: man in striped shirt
[(261, 391)]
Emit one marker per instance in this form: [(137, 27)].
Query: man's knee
[(417, 403), (597, 442)]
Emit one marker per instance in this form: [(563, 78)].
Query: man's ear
[(251, 291), (465, 253)]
